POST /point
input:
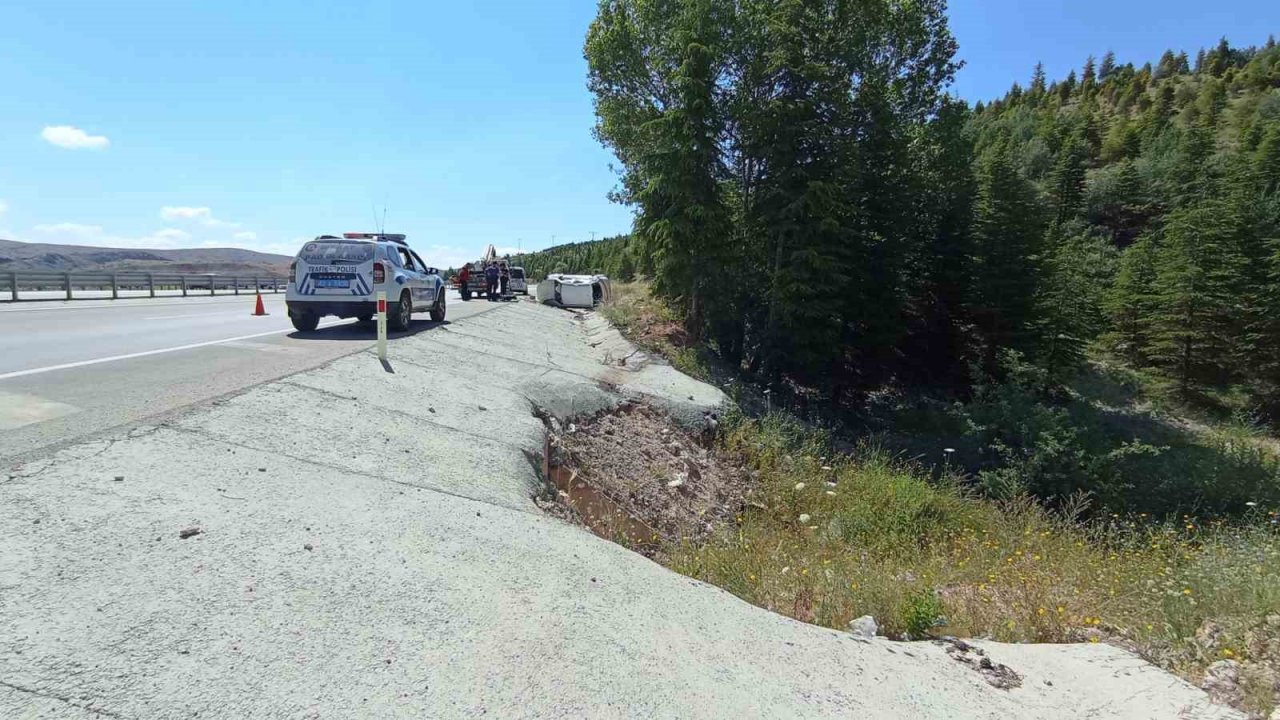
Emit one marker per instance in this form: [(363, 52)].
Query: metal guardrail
[(13, 285)]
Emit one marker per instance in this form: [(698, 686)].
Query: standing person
[(491, 275), (464, 275), (505, 278)]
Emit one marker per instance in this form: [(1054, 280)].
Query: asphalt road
[(70, 370)]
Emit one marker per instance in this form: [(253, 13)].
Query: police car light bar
[(374, 236)]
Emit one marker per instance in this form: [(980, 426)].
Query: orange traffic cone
[(259, 310)]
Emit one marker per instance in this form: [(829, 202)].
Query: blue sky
[(257, 124)]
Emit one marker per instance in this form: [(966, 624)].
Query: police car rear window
[(336, 252)]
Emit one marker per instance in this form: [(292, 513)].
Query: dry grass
[(826, 539), (654, 327)]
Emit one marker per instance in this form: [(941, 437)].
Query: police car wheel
[(400, 319), (304, 322), (437, 311)]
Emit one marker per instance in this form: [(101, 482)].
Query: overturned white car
[(574, 291)]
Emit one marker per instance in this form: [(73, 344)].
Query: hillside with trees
[(955, 328), (610, 256), (831, 224), (824, 213)]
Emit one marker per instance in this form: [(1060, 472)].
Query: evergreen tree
[(1219, 59), (1067, 182), (1072, 302), (1007, 244), (1167, 67), (1182, 66), (1068, 87), (1131, 301), (1037, 80), (1088, 80), (1195, 303), (1200, 62), (1267, 162), (1108, 66)]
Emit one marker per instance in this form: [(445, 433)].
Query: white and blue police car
[(342, 276)]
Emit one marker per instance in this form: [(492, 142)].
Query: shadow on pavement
[(365, 331)]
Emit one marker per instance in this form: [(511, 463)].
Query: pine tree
[(1195, 303), (1071, 305), (1220, 58), (1067, 181), (1089, 78), (1067, 87), (1182, 66), (1200, 62), (1007, 243), (1131, 301), (1168, 66), (1267, 162), (1108, 66), (1037, 80)]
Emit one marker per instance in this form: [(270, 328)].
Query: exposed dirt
[(636, 476)]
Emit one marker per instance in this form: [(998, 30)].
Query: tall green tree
[(1108, 66), (1196, 300), (1008, 233)]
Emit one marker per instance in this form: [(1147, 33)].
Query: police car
[(342, 276)]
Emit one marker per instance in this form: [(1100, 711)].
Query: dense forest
[(820, 211)]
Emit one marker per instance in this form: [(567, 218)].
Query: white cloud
[(202, 215), (173, 234), (246, 235), (73, 138), (69, 229), (186, 213)]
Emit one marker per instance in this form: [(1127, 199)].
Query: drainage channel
[(591, 505)]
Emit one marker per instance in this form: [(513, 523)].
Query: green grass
[(1111, 512), (930, 557)]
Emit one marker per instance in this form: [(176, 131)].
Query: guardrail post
[(257, 286), (115, 287), (151, 284), (236, 281), (212, 290), (13, 286), (66, 281), (184, 286)]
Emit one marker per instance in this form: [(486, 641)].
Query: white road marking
[(146, 353)]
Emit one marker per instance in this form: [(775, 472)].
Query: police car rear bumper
[(343, 309)]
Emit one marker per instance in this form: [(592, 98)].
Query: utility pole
[(593, 236)]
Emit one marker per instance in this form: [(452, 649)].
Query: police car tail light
[(379, 274), (293, 272)]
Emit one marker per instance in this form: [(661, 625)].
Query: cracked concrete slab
[(359, 555)]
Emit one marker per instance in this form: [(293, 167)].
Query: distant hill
[(23, 256)]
